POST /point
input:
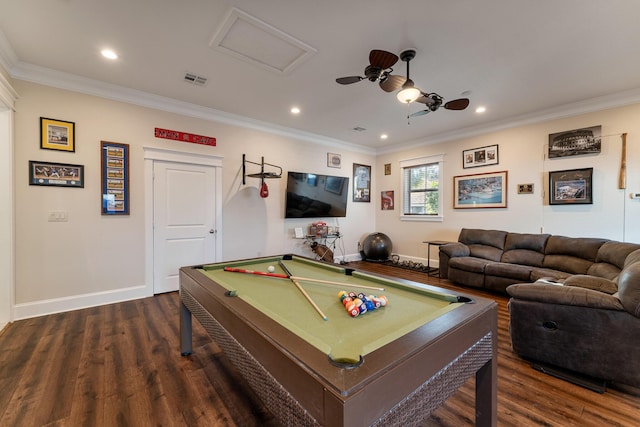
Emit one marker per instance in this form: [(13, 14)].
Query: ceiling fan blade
[(349, 80), (457, 104), (382, 59), (424, 99), (420, 113), (391, 83)]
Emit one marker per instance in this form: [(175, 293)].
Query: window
[(421, 192)]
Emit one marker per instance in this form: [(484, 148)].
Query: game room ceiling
[(522, 60)]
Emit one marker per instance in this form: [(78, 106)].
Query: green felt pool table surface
[(341, 336)]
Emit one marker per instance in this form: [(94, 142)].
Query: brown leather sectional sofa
[(575, 302)]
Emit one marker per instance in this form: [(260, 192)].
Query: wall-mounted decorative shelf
[(262, 174)]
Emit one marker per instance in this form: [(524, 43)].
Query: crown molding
[(592, 105), (48, 77)]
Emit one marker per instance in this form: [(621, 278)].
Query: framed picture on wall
[(115, 178), (486, 190), (56, 174), (571, 187), (334, 160), (361, 183), (483, 156), (575, 142), (57, 134)]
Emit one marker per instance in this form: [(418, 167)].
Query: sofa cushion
[(611, 259), (599, 284), (532, 242), (486, 244), (525, 249), (615, 253), (632, 258), (580, 247), (474, 236), (524, 257), (518, 273), (472, 264), (541, 273)]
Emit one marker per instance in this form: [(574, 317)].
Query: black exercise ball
[(377, 247)]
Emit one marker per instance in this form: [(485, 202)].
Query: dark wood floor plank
[(120, 365)]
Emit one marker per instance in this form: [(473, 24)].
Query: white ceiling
[(524, 60)]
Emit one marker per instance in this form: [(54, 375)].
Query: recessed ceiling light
[(109, 54), (481, 109), (384, 136), (295, 110)]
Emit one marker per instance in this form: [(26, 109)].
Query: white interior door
[(183, 220)]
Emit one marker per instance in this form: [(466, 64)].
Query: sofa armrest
[(448, 251), (455, 249), (564, 295)]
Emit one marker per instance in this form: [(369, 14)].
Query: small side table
[(438, 243)]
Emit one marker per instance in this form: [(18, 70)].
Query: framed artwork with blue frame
[(115, 178)]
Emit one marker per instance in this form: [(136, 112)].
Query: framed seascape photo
[(575, 142), (483, 156), (361, 183), (571, 187), (56, 174), (57, 135), (334, 160), (487, 190)]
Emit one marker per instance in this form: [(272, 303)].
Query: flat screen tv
[(311, 195)]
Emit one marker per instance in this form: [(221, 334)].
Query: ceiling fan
[(379, 69)]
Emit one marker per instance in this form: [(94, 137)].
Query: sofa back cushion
[(571, 254), (611, 258), (525, 249), (487, 244)]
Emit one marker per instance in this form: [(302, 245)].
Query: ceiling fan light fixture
[(408, 94)]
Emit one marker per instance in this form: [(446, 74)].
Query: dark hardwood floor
[(120, 365)]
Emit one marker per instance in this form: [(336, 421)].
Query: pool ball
[(271, 269)]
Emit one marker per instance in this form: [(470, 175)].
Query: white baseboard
[(357, 257), (76, 302)]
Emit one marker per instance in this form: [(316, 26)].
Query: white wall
[(93, 259), (104, 256), (612, 215)]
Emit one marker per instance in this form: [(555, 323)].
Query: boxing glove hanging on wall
[(264, 190)]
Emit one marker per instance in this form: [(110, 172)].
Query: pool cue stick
[(622, 179), (306, 295), (302, 279), (259, 273)]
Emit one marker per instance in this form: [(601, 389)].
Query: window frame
[(409, 163)]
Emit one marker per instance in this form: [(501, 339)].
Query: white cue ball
[(271, 269)]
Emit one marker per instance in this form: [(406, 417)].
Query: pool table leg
[(185, 330), (487, 394)]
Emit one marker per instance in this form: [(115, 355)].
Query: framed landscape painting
[(486, 190)]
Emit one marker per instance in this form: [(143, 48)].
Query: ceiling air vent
[(195, 79)]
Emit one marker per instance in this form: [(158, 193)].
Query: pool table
[(319, 365)]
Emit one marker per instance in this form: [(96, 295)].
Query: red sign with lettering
[(185, 137)]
